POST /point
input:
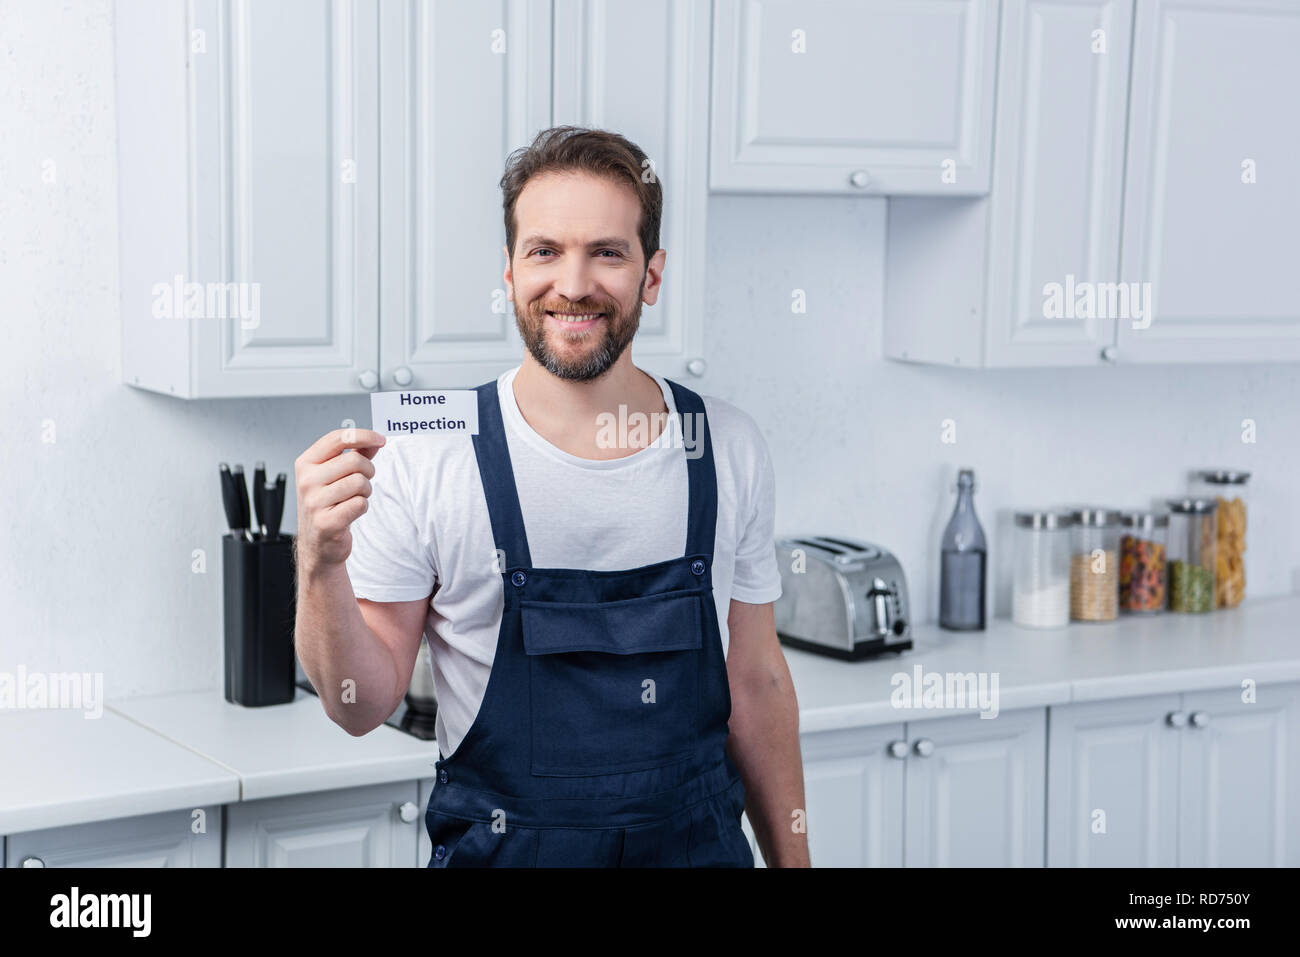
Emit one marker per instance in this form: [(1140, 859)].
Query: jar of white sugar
[(1040, 585)]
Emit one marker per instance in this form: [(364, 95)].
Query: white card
[(453, 412)]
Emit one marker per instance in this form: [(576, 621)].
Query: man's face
[(578, 276)]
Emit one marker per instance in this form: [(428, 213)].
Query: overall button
[(442, 777), (439, 852), (697, 567), (519, 578)]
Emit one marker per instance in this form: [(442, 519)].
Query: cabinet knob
[(696, 367), (368, 379), (1109, 353), (408, 812), (898, 749), (32, 862), (860, 178), (402, 376), (924, 747), (1200, 719), (1176, 719)]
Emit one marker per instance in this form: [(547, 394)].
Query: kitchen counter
[(194, 749), (63, 768), (1136, 655), (291, 748)]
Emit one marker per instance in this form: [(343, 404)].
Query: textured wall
[(100, 525)]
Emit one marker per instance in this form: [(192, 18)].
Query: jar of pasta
[(1094, 565), (1142, 561), (1193, 544), (1228, 488)]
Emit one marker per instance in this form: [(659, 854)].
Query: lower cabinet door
[(1112, 783), (372, 826), (1240, 792), (854, 791), (184, 838), (976, 790)]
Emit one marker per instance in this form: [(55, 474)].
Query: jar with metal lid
[(1193, 543), (1228, 488), (1040, 584), (1142, 561), (1094, 565)]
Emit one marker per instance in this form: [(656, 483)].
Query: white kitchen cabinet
[(861, 97), (184, 838), (1112, 784), (853, 787), (1212, 106), (372, 826), (1200, 779), (965, 279), (463, 85), (975, 791), (248, 162), (1239, 762), (639, 68), (424, 847)]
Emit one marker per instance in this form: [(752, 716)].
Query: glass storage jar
[(1142, 561), (1094, 565), (1193, 542), (1228, 488), (1040, 585)]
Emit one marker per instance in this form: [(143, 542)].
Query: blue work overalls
[(600, 738)]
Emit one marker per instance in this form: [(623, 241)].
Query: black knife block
[(260, 600)]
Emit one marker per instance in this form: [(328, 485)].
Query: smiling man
[(610, 687)]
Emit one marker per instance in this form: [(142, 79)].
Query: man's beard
[(612, 336)]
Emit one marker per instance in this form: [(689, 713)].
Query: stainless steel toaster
[(841, 597)]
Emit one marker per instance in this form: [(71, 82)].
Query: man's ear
[(508, 276)]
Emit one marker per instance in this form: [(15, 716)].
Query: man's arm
[(357, 654), (764, 740)]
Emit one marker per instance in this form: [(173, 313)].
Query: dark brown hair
[(599, 152)]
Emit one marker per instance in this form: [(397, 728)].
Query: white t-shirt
[(428, 525)]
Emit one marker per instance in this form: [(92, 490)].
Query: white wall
[(100, 525)]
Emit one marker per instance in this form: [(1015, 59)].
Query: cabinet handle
[(1176, 719), (402, 376), (1200, 719), (408, 812), (1109, 354), (898, 749), (924, 747), (32, 862), (696, 367), (368, 380), (859, 178)]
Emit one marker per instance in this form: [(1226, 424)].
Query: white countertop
[(281, 749), (63, 768), (170, 751), (1136, 655)]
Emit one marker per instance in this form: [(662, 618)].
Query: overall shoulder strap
[(499, 479), (702, 517)]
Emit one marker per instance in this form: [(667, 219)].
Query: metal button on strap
[(697, 566), (519, 578), (442, 776), (439, 852)]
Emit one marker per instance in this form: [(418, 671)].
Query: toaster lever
[(880, 595)]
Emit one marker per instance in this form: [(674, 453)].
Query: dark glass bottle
[(963, 563)]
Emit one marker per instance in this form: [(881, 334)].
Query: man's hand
[(333, 481)]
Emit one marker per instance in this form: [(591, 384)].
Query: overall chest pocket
[(614, 686)]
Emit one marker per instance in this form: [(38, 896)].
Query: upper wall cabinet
[(328, 218), (1212, 198), (862, 97), (1174, 248), (964, 279), (248, 158), (637, 68)]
